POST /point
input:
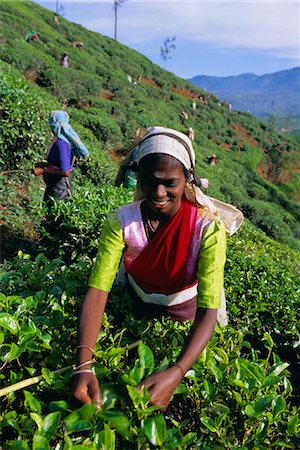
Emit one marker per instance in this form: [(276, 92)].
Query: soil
[(244, 136)]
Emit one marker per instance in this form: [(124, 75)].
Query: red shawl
[(161, 265)]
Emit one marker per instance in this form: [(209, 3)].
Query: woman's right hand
[(87, 390), (38, 171)]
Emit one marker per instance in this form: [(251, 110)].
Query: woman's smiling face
[(162, 181)]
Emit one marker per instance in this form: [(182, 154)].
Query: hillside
[(257, 170), (243, 390), (270, 94)]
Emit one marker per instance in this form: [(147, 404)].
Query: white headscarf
[(169, 142)]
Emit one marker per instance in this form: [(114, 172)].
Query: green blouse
[(212, 256)]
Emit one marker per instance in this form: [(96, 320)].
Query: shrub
[(271, 220), (71, 228), (235, 396), (24, 131), (103, 126)]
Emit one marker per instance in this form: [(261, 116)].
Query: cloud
[(263, 25), (260, 24)]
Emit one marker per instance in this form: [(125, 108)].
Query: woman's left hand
[(161, 386)]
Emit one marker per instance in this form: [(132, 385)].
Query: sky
[(216, 38)]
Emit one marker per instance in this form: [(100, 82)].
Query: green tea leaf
[(136, 375), (278, 406), (116, 420), (238, 397), (50, 424), (38, 420), (267, 337), (146, 357), (16, 445), (40, 443), (48, 375), (293, 424), (189, 438), (221, 355), (14, 352), (134, 395), (155, 429), (216, 371), (263, 403), (247, 369), (209, 423), (280, 443), (109, 398), (270, 380), (59, 405), (250, 411), (262, 430), (278, 368), (78, 420), (32, 403), (9, 323), (209, 391), (75, 424), (106, 439)]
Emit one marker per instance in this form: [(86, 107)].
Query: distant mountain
[(274, 93)]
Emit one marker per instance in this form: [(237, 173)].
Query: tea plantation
[(243, 391)]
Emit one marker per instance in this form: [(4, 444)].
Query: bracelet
[(82, 371), (88, 347), (180, 368), (92, 361)]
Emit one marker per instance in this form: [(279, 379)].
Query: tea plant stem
[(28, 382), (14, 170), (133, 345)]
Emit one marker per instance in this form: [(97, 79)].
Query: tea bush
[(23, 131), (243, 391), (104, 128), (272, 222), (235, 396), (72, 228)]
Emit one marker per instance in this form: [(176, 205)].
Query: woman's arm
[(100, 282), (37, 171), (86, 388), (198, 337), (162, 384)]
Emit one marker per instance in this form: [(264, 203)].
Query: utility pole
[(116, 18), (117, 4), (59, 9)]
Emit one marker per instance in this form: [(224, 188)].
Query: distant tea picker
[(127, 174), (32, 36), (58, 167), (77, 44)]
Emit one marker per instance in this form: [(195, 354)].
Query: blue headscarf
[(59, 124)]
